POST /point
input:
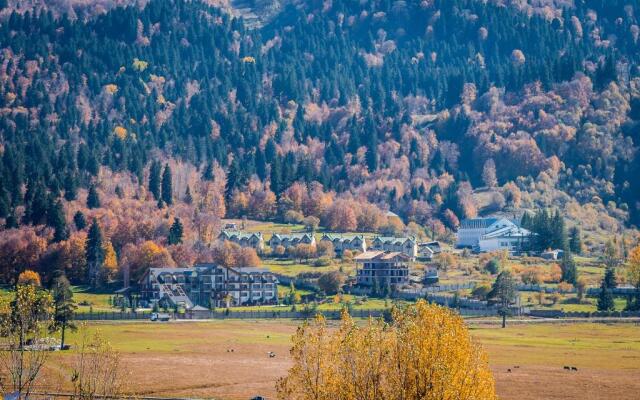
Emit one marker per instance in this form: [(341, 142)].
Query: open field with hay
[(229, 359)]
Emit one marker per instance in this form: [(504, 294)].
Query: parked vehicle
[(160, 317)]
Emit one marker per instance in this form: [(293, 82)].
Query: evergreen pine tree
[(575, 240), (167, 186), (558, 232), (605, 297), (70, 187), (36, 205), (63, 307), (94, 253), (56, 220), (610, 278), (154, 179), (79, 220), (232, 180), (569, 268), (175, 232), (93, 199), (11, 221), (207, 175), (504, 294), (187, 196)]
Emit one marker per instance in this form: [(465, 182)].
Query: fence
[(281, 314), (597, 314), (592, 291), (230, 314)]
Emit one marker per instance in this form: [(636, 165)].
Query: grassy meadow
[(198, 358)]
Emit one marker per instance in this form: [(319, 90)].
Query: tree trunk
[(64, 326), (504, 320)]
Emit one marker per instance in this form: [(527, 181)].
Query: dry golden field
[(194, 359)]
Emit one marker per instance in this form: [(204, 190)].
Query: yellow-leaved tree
[(633, 275), (425, 353)]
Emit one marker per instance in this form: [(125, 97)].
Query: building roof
[(380, 256), (392, 239), (507, 231), (251, 270), (341, 237), (155, 272), (241, 235), (477, 223), (292, 236)]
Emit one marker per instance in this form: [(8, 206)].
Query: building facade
[(244, 239), (291, 240), (382, 268), (208, 285), (341, 243), (405, 245), (490, 234)]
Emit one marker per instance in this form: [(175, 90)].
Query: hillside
[(408, 105)]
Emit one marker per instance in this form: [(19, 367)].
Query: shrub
[(293, 217), (565, 287), (325, 249), (331, 282), (481, 292), (531, 276), (322, 262), (492, 266)]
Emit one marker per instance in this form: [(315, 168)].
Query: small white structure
[(489, 234), (552, 255)]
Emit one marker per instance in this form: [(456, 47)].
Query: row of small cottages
[(357, 243)]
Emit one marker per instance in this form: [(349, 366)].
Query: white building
[(341, 243), (489, 234), (406, 245), (208, 285)]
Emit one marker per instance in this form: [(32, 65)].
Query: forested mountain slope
[(409, 105)]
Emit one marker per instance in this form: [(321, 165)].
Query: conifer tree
[(93, 199), (94, 253), (79, 220), (36, 204), (167, 186), (575, 240), (175, 232), (504, 294), (70, 187), (11, 221), (56, 220), (569, 268), (187, 196), (605, 297), (207, 175), (232, 180), (63, 307), (154, 179)]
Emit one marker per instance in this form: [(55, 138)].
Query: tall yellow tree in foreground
[(425, 353)]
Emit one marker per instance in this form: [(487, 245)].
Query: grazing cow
[(567, 368), (574, 369), (509, 370)]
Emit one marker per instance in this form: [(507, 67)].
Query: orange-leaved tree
[(425, 353)]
